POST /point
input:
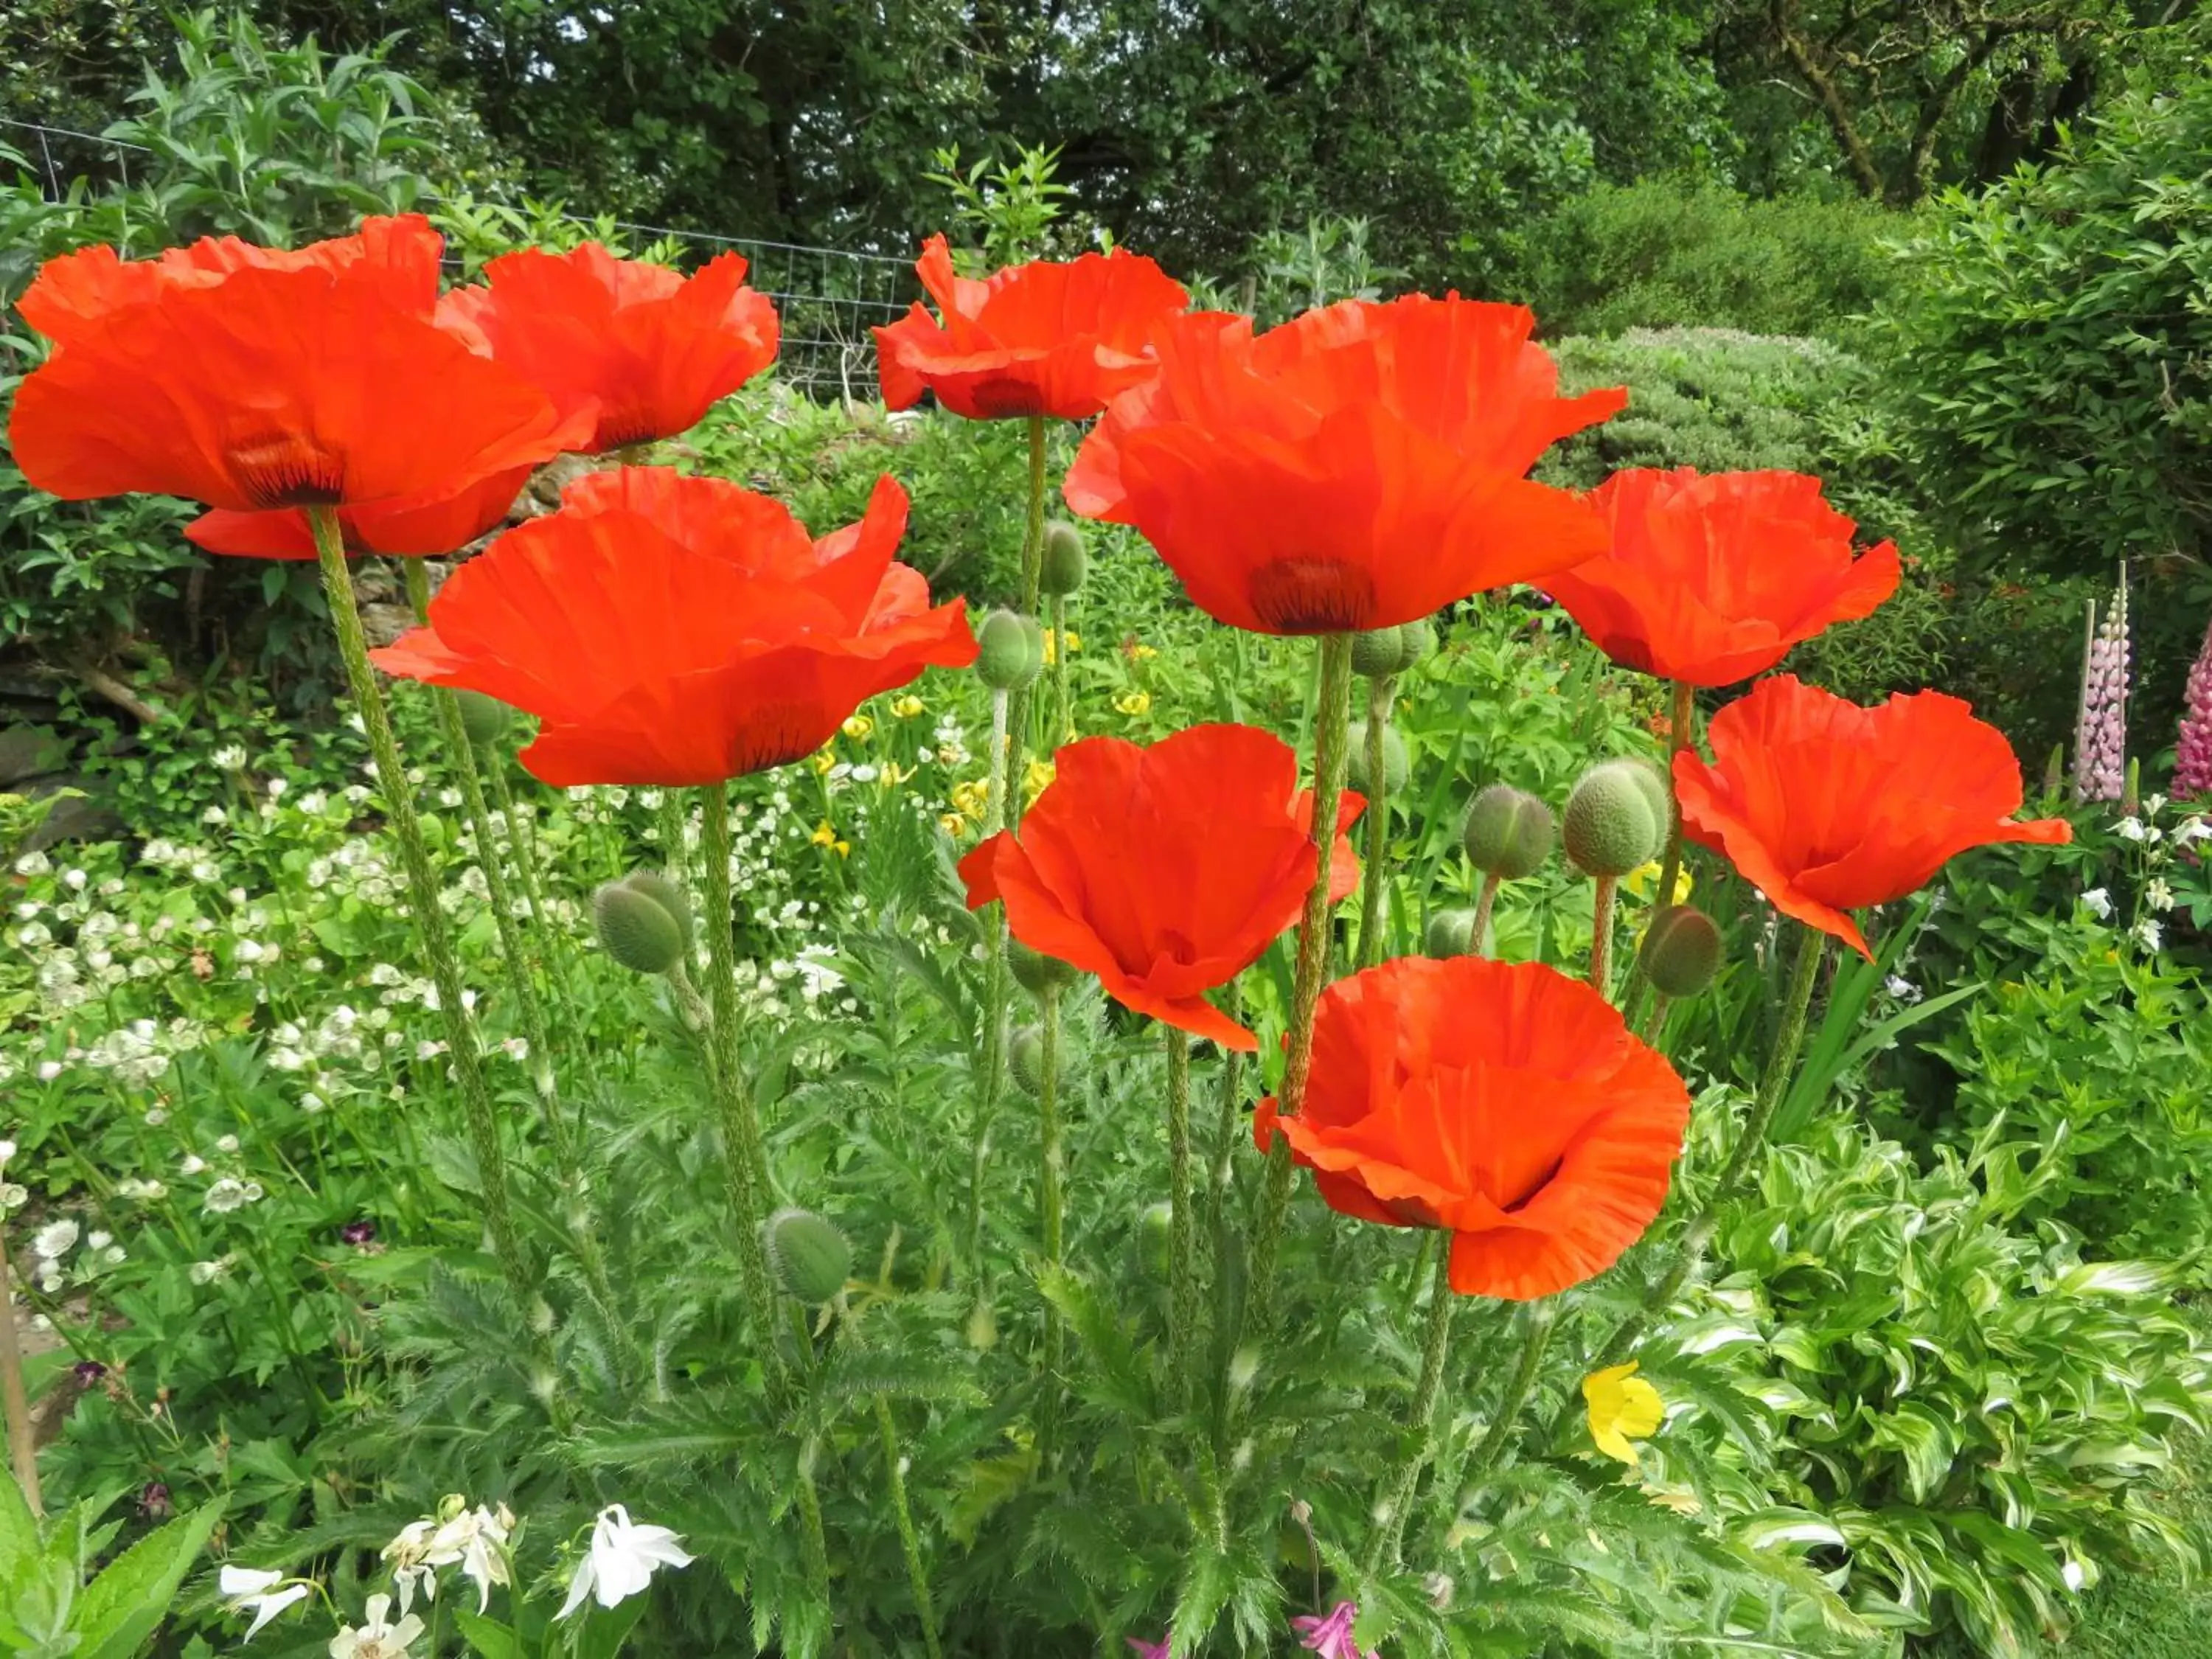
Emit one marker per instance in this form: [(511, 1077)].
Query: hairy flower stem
[(14, 1403), (815, 1544), (423, 897), (991, 1070), (1781, 1066), (744, 1154), (917, 1571), (520, 840), (1681, 717), (1378, 822), (1183, 1276), (1539, 1321), (1063, 714), (1486, 900), (1443, 1302), (461, 755), (1049, 1200), (1601, 957), (1224, 1149), (1017, 701), (1334, 712), (673, 818)]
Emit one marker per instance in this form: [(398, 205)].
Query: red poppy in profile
[(645, 349), (1165, 871), (1043, 339), (1712, 579), (76, 293), (264, 388), (402, 531), (1357, 468), (675, 630), (1827, 807), (1503, 1101)]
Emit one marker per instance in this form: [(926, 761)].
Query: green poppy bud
[(1681, 951), (1035, 972), (1418, 640), (1155, 1237), (667, 894), (1509, 832), (1010, 651), (636, 929), (1026, 1058), (812, 1259), (1451, 933), (1379, 653), (1395, 767), (1617, 818), (1066, 562), (485, 719)]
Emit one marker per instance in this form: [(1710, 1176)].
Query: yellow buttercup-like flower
[(1643, 880), (971, 797), (894, 774), (823, 836), (1133, 703), (1623, 1408), (824, 757), (857, 726), (1051, 644), (906, 707), (1035, 776), (952, 823)]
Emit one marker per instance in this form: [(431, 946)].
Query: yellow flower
[(1074, 644), (823, 836), (1643, 881), (1035, 776), (971, 797), (906, 707), (894, 774), (857, 726), (1141, 653), (1623, 1408), (825, 757), (1134, 702), (952, 823)]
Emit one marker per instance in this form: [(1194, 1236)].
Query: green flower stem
[(1781, 1065), (461, 754), (1485, 903), (1334, 712), (991, 1071), (1378, 822), (1182, 1277), (917, 1572), (1063, 714), (1443, 1302), (1539, 1322), (1682, 715), (672, 817), (1049, 1197), (1017, 703), (1601, 958), (1226, 1113), (744, 1154), (422, 894), (22, 1455), (816, 1545)]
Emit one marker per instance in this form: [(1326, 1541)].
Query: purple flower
[(1331, 1637), (88, 1372), (153, 1502), (2192, 749), (358, 1232), (1158, 1650), (2101, 732)]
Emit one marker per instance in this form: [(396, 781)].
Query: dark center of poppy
[(775, 735), (1312, 596), (619, 428), (287, 469), (1002, 400)]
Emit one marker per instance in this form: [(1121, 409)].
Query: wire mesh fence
[(828, 298)]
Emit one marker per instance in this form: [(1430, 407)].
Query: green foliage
[(65, 1590), (1668, 253)]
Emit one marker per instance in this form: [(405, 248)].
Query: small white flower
[(2073, 1572), (255, 1590), (13, 1196), (373, 1638), (55, 1240), (215, 818), (225, 1143), (2158, 894), (227, 1195), (231, 757), (7, 1151), (623, 1557), (192, 1164), (276, 788), (2150, 935), (2132, 829), (206, 1272), (49, 1070), (1902, 988), (2193, 829), (98, 1241), (2098, 903), (74, 880)]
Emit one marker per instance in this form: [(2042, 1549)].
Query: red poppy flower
[(1357, 468), (1164, 870), (403, 531), (675, 630), (1502, 1101), (1712, 580), (75, 294), (1826, 807), (1041, 339), (265, 388), (647, 350)]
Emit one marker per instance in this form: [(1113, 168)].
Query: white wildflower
[(621, 1560)]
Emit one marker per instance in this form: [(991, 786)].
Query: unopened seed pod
[(1010, 650), (1396, 768), (1379, 653), (1026, 1058), (812, 1259), (1681, 951), (1451, 933), (484, 720), (636, 929), (1036, 972), (1065, 561), (1418, 639), (667, 894), (1616, 819), (1155, 1235), (1509, 832)]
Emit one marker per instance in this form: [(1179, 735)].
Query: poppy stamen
[(1313, 596), (289, 469)]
